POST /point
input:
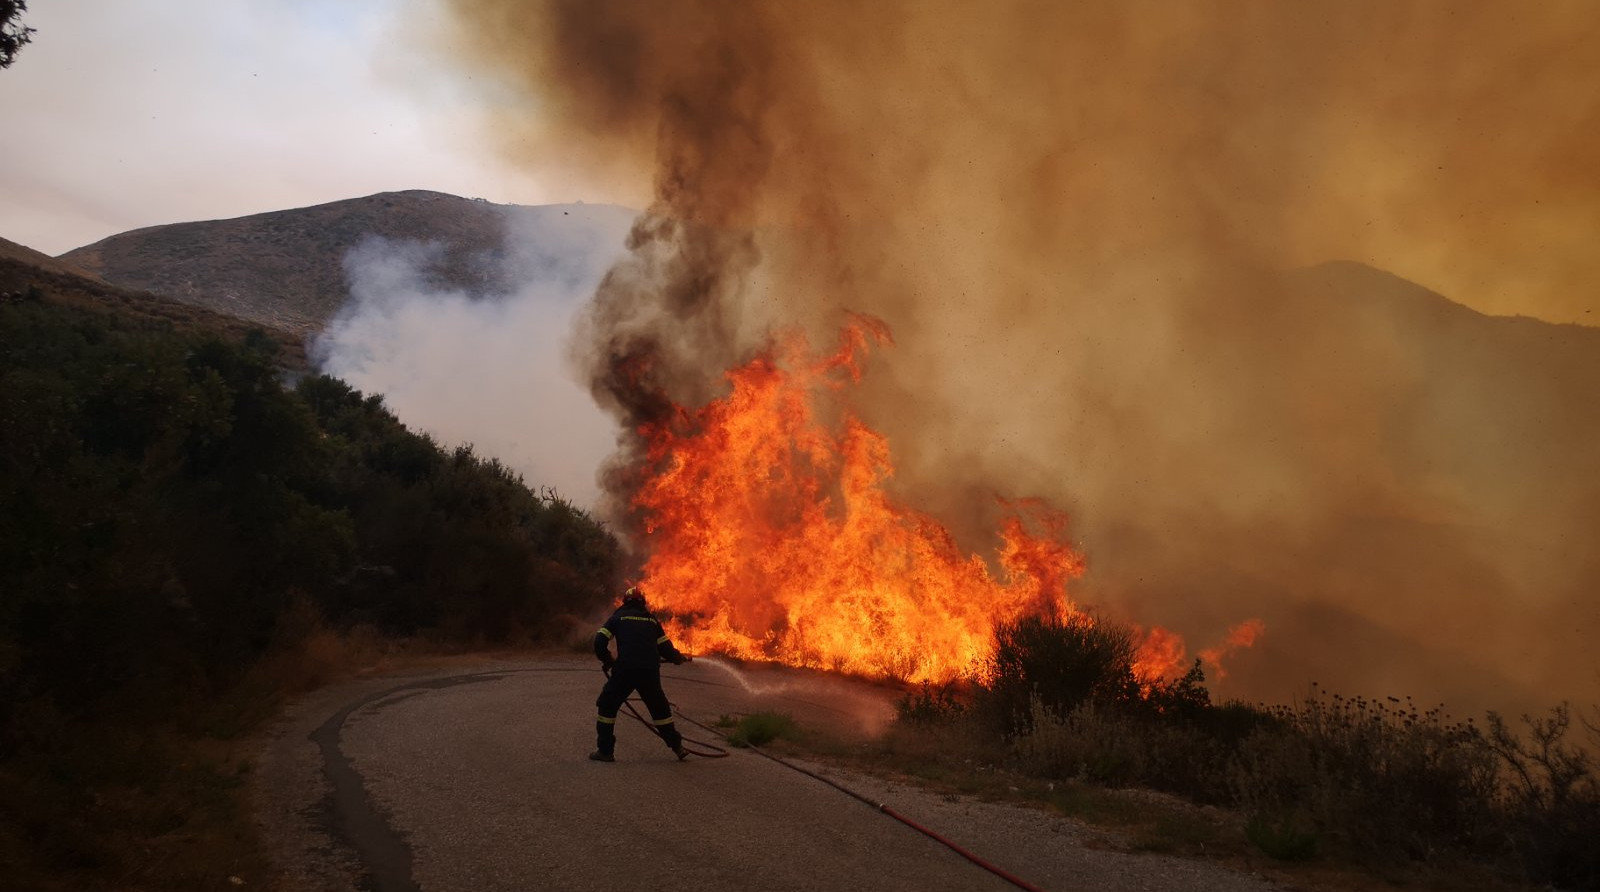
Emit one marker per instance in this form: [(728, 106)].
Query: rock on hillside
[(286, 268)]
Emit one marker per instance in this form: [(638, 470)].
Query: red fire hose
[(932, 834), (705, 750), (929, 832)]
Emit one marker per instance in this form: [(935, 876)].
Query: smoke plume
[(490, 368), (1100, 234)]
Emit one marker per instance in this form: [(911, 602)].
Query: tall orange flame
[(771, 535)]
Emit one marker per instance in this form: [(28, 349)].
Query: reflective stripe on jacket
[(641, 642)]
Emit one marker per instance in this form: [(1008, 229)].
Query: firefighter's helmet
[(633, 597)]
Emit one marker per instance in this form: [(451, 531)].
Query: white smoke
[(486, 368)]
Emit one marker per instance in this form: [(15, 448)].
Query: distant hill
[(1403, 488), (286, 268)]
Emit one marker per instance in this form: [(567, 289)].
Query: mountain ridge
[(284, 268)]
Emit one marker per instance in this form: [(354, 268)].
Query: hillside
[(190, 536), (286, 268), (1402, 488), (24, 271)]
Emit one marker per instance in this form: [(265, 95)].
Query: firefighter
[(642, 646)]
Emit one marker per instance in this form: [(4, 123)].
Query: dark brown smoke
[(1101, 235)]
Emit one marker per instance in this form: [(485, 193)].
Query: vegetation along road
[(478, 778)]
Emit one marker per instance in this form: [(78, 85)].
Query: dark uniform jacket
[(641, 642)]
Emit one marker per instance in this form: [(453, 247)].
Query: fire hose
[(929, 832), (705, 751)]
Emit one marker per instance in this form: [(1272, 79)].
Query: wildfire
[(772, 537), (1239, 637)]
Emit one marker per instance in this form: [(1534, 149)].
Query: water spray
[(739, 676)]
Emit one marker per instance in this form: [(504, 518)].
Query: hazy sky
[(140, 112)]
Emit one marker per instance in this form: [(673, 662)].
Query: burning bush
[(772, 533), (1055, 666)]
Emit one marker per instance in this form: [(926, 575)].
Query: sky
[(142, 112)]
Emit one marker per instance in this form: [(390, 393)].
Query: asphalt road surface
[(477, 778)]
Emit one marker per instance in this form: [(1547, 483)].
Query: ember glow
[(771, 535)]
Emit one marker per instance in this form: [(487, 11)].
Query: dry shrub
[(1087, 743), (1122, 747), (1551, 802), (931, 704), (1380, 781), (306, 653), (1376, 782)]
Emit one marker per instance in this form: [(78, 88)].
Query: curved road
[(477, 778)]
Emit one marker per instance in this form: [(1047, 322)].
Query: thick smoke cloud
[(1099, 232), (487, 369)]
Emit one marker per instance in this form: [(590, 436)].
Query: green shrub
[(167, 497), (1283, 839), (761, 728), (173, 513)]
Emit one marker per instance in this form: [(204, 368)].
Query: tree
[(13, 34)]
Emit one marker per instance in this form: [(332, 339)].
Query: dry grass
[(958, 756), (120, 804), (1334, 791)]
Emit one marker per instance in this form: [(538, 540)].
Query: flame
[(771, 535), (1239, 637), (1160, 655)]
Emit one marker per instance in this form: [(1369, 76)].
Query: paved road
[(477, 779)]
